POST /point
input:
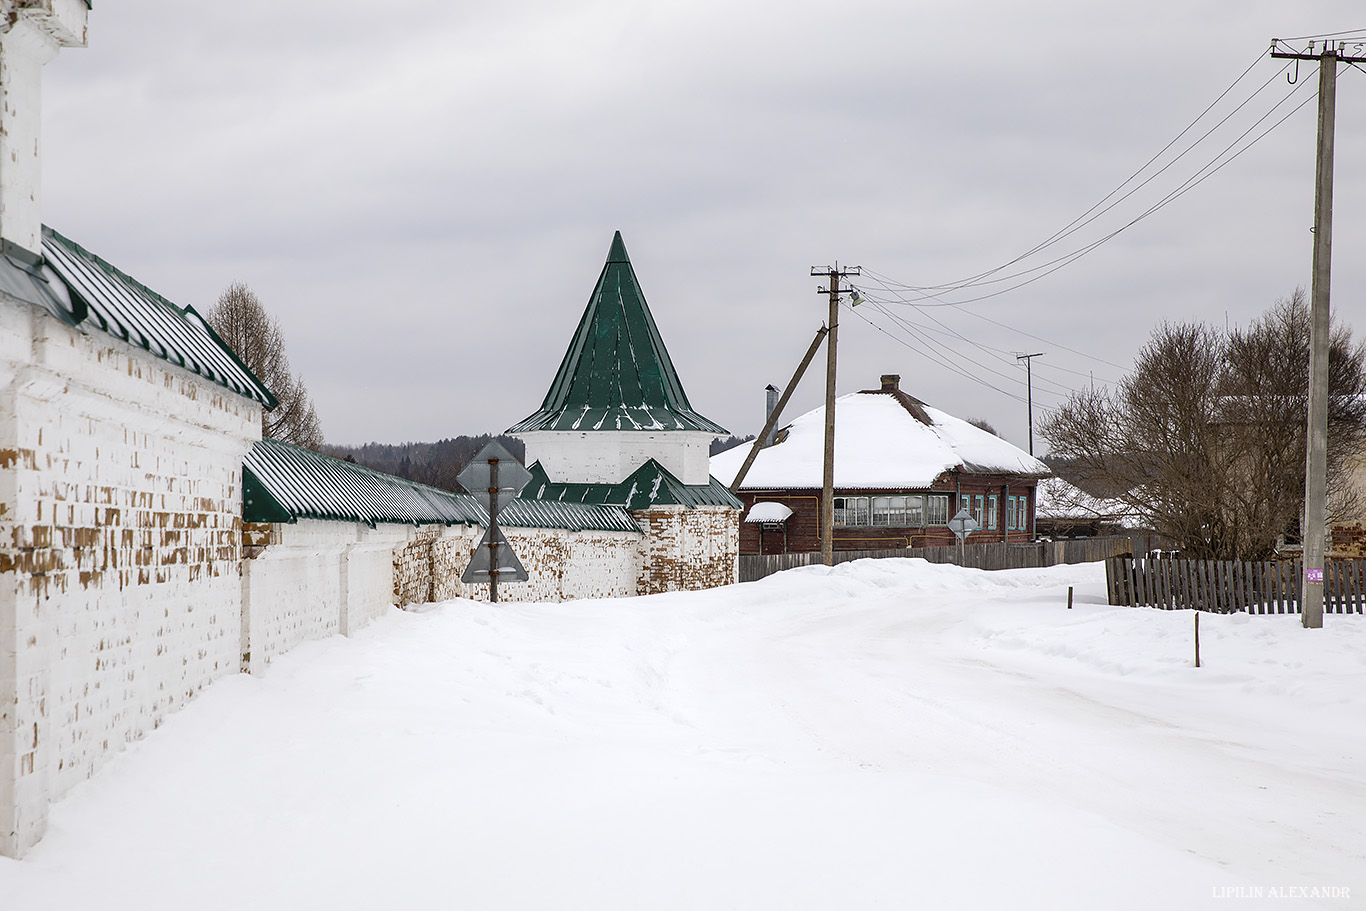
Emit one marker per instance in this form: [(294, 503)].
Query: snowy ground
[(887, 734)]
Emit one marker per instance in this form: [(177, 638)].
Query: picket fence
[(1225, 586), (992, 556)]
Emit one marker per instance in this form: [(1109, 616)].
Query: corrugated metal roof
[(522, 513), (96, 294), (617, 374), (284, 483), (649, 485)]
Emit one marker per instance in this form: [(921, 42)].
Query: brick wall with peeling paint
[(120, 546), (688, 549), (562, 565)]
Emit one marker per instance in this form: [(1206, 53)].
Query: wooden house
[(902, 470)]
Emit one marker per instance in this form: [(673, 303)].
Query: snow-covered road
[(886, 734)]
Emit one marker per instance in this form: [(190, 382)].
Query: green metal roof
[(617, 374), (95, 294), (650, 485), (285, 483)]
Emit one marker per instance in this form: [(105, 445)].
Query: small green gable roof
[(649, 485), (617, 374)]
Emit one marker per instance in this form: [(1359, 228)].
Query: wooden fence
[(992, 556), (1224, 586)]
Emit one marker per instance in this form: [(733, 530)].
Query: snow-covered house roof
[(769, 513), (884, 438), (1058, 499), (617, 374)]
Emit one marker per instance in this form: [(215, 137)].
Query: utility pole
[(1316, 448), (762, 439), (833, 274), (1029, 391)]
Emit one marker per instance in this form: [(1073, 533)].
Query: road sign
[(499, 554), (963, 524), (494, 478), (477, 476)]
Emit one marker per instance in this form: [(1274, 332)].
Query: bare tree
[(241, 320), (1205, 439), (983, 424)]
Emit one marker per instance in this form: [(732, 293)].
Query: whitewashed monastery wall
[(123, 588), (120, 505), (609, 457), (562, 564), (313, 579)]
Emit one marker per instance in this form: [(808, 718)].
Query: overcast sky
[(424, 193)]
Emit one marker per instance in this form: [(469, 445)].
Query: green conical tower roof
[(617, 374)]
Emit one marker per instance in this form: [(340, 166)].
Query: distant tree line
[(437, 464), (434, 464), (721, 444)]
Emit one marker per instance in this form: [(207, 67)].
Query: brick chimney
[(891, 382), (31, 34)]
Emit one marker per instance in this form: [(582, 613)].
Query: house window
[(977, 509), (899, 512), (991, 511), (852, 511), (1011, 513), (890, 512), (938, 510), (1018, 514)]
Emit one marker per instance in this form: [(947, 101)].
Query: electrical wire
[(1200, 176), (1355, 31), (996, 354), (1087, 217), (938, 359)]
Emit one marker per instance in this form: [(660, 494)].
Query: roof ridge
[(913, 405)]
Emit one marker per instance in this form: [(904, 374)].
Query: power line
[(1355, 31), (973, 313), (1082, 220), (990, 352), (1189, 184)]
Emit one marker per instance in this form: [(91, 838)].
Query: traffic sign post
[(962, 524), (494, 478)]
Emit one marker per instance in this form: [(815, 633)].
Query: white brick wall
[(609, 457), (316, 579), (123, 591), (120, 550)]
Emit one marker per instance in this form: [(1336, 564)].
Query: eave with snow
[(902, 469)]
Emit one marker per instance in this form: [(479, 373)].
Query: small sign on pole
[(962, 524), (494, 478)]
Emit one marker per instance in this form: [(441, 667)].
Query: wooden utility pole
[(1029, 391), (1316, 448), (833, 274), (772, 421)]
